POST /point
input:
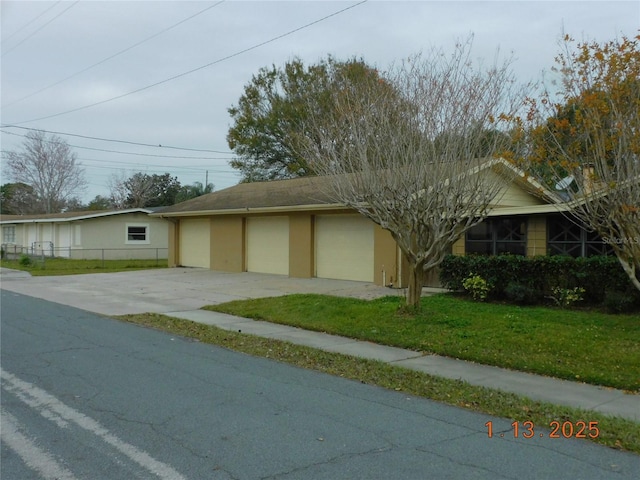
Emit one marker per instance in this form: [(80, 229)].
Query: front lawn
[(67, 266), (584, 346)]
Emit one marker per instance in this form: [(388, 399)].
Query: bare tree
[(143, 190), (588, 142), (118, 191), (409, 159), (49, 166)]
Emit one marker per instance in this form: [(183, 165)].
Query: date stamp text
[(527, 429)]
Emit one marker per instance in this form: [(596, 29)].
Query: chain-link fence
[(48, 250)]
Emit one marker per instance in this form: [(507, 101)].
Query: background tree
[(100, 202), (275, 106), (74, 205), (197, 189), (142, 190), (48, 165), (592, 132), (18, 199), (407, 157)]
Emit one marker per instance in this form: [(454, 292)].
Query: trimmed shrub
[(616, 302), (531, 279), (522, 294)]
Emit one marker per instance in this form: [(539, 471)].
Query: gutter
[(241, 211)]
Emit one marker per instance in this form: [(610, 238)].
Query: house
[(289, 227), (112, 234)]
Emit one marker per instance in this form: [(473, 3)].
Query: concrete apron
[(174, 289)]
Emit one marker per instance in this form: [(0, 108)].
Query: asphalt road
[(88, 397)]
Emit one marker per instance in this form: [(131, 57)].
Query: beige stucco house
[(289, 227), (113, 234)]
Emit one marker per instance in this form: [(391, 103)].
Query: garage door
[(268, 245), (195, 242), (344, 247)]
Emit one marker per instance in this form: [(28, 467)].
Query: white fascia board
[(240, 211), (79, 217)]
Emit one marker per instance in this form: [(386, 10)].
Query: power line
[(133, 164), (41, 27), (30, 22), (131, 153), (175, 77), (114, 55), (114, 140)]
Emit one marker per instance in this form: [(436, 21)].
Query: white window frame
[(12, 229), (147, 236)]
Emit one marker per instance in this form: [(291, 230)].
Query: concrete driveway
[(173, 289)]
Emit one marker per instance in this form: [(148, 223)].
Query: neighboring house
[(114, 234), (289, 227)]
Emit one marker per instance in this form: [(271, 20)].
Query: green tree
[(100, 203), (197, 189), (18, 199), (74, 204), (272, 113)]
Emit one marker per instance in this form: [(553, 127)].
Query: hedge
[(532, 279)]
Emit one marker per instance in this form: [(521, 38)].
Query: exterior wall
[(93, 238), (458, 246), (512, 195), (228, 243), (537, 235), (301, 245), (229, 246), (173, 230), (385, 271), (110, 233)]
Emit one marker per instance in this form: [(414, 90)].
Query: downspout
[(399, 260), (176, 239)]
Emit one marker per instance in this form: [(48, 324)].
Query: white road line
[(33, 456), (61, 422), (48, 405)]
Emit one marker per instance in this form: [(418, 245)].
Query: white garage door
[(268, 245), (344, 247), (195, 242)]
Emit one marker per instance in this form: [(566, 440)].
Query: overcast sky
[(64, 64)]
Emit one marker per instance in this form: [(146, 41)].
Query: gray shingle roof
[(276, 193)]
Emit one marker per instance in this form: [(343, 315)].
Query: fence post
[(103, 258), (157, 256)]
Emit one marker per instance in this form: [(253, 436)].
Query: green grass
[(66, 266), (585, 346), (614, 432)]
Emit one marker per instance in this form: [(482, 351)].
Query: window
[(569, 237), (498, 235), (137, 233), (9, 234)]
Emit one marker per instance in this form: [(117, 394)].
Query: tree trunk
[(630, 269), (416, 281)]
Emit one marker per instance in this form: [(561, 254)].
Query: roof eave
[(79, 217), (240, 211)]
